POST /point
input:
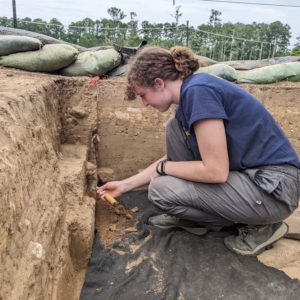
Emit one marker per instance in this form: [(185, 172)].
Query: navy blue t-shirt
[(253, 136)]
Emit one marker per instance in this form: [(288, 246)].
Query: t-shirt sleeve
[(202, 102)]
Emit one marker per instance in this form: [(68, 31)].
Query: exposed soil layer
[(112, 223), (57, 133), (46, 218)]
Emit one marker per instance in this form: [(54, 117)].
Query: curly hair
[(155, 62)]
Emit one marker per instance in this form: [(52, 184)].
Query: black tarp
[(174, 264)]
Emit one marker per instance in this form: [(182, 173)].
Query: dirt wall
[(45, 239), (283, 101)]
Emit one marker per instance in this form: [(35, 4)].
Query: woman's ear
[(159, 83)]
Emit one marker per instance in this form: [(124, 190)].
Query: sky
[(158, 11)]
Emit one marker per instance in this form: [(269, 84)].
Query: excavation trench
[(58, 136)]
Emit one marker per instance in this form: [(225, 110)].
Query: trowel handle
[(110, 199)]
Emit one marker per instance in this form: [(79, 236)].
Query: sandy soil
[(285, 256), (45, 239), (112, 223)]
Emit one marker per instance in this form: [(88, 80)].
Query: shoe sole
[(277, 235), (194, 230)]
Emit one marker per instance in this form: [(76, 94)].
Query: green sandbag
[(119, 71), (220, 70), (93, 63), (254, 64), (12, 44), (269, 74), (48, 59), (295, 78), (294, 66)]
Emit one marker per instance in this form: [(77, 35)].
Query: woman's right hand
[(114, 188), (117, 188)]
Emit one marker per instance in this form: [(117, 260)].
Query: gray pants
[(255, 196)]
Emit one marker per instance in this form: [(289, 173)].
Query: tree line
[(215, 39)]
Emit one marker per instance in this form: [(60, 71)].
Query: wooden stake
[(110, 199)]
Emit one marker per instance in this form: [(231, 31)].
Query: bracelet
[(163, 167), (160, 168)]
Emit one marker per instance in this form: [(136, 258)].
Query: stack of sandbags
[(29, 54), (289, 71)]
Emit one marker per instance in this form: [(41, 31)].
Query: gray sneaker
[(165, 221), (254, 239)]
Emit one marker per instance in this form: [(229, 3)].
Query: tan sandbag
[(48, 59), (12, 44), (93, 63)]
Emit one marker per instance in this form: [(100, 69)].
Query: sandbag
[(93, 63), (119, 71), (253, 64), (269, 74), (220, 70), (205, 61), (12, 44), (48, 59), (45, 39), (295, 67)]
